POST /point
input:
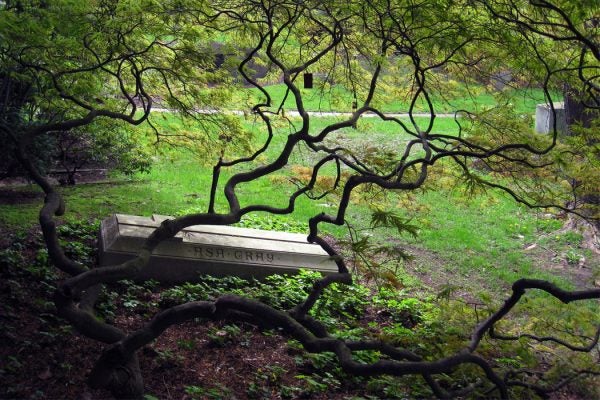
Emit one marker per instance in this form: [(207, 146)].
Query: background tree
[(566, 36), (66, 64)]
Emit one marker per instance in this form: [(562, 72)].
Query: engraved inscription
[(208, 252), (255, 255), (213, 253)]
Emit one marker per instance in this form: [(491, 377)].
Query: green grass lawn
[(483, 235), (340, 99)]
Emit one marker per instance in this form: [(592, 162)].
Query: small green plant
[(404, 310), (207, 288), (389, 387), (168, 356), (131, 304), (41, 270), (80, 229), (268, 380), (11, 258), (284, 291), (512, 362), (78, 251), (257, 391), (548, 224), (572, 257), (571, 238), (186, 344), (279, 291), (107, 304), (347, 302), (273, 223), (271, 374), (135, 296), (218, 392), (221, 336), (311, 384), (289, 392)]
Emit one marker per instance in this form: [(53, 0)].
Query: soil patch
[(90, 175), (581, 273), (14, 196), (438, 275)]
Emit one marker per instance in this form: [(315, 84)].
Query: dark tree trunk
[(579, 114), (576, 111)]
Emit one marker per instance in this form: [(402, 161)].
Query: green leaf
[(389, 219)]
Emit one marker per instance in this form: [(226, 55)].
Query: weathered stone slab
[(544, 118), (209, 249)]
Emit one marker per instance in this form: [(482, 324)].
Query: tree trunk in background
[(577, 113)]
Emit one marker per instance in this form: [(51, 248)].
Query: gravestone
[(544, 118), (209, 249)]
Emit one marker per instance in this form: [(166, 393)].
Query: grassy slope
[(481, 236), (340, 99)]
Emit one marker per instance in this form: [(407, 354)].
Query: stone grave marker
[(544, 118), (209, 249)]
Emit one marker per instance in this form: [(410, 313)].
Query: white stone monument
[(210, 249), (544, 118)]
